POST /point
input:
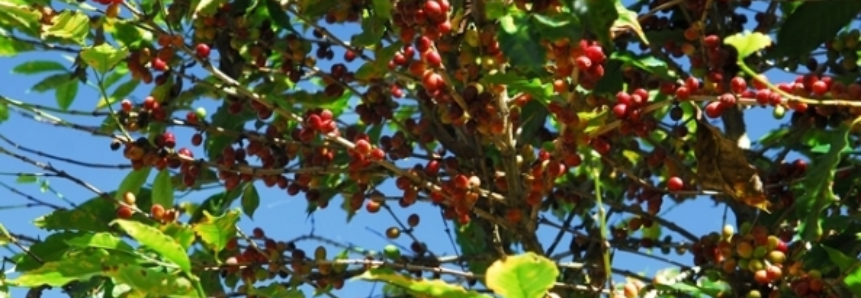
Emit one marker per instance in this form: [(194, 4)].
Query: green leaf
[(4, 288), (817, 185), (4, 112), (813, 23), (853, 281), (495, 9), (599, 16), (80, 265), (383, 9), (371, 34), (66, 94), (612, 80), (628, 19), (11, 47), (316, 8), (38, 66), (419, 287), (70, 25), (250, 200), (367, 71), (534, 87), (216, 231), (215, 142), (23, 179), (103, 57), (154, 239), (21, 17), (180, 232), (122, 91), (747, 43), (645, 62), (52, 82), (152, 281), (278, 15), (838, 258), (120, 71), (162, 189), (275, 289), (50, 249), (132, 183), (127, 34), (517, 41), (525, 276), (558, 26), (100, 240), (93, 215), (208, 7), (216, 204), (5, 237)]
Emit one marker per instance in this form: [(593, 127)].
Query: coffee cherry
[(432, 58), (377, 154), (169, 139), (711, 41), (126, 105), (761, 276), (413, 220), (819, 88), (373, 206), (460, 181), (258, 233), (393, 233), (675, 184), (583, 62), (159, 65), (683, 93), (595, 54), (363, 147), (738, 85), (620, 110), (196, 139), (129, 198), (157, 211), (124, 212), (185, 152), (714, 109), (149, 103), (202, 50), (623, 98), (349, 55)]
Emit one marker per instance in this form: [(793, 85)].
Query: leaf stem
[(104, 93), (602, 220)]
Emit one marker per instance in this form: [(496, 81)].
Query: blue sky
[(281, 216)]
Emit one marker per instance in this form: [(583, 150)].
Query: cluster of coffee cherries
[(157, 211), (586, 57), (784, 196), (375, 105), (316, 121), (137, 117), (629, 109), (753, 254)]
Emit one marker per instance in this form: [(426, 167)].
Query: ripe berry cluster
[(135, 118), (586, 57), (629, 109)]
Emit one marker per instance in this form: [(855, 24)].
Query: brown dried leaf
[(722, 166)]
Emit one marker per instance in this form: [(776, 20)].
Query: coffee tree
[(588, 117)]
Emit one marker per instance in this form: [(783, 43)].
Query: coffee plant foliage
[(585, 117)]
